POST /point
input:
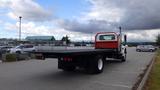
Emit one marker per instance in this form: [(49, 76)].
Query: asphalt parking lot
[(44, 75)]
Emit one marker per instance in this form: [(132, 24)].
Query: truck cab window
[(107, 37)]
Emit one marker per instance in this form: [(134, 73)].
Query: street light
[(20, 17)]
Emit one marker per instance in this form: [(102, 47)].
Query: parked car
[(22, 49), (4, 49), (147, 48)]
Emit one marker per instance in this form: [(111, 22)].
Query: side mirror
[(125, 39)]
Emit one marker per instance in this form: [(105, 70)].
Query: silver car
[(147, 48), (22, 49)]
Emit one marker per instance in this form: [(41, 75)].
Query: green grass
[(153, 82)]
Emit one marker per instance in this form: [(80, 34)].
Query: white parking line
[(133, 72), (114, 85)]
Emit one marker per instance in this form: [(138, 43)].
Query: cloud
[(107, 15), (32, 29), (91, 26), (28, 9), (142, 35), (103, 10), (130, 14), (4, 3), (29, 28), (138, 18)]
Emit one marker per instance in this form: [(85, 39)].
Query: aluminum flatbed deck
[(74, 52)]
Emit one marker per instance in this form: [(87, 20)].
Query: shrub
[(10, 57), (32, 56), (23, 56)]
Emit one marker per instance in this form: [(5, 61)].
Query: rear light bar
[(66, 59)]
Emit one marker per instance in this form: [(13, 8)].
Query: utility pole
[(20, 17), (91, 37), (120, 31)]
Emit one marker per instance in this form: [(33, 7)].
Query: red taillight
[(67, 59)]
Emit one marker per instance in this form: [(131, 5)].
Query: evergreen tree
[(66, 39)]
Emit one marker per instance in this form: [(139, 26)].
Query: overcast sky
[(80, 19)]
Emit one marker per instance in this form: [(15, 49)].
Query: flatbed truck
[(107, 45)]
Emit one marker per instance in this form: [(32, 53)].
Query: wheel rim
[(100, 64)]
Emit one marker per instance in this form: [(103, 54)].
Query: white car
[(148, 48), (22, 49)]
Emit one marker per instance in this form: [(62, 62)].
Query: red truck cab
[(107, 40)]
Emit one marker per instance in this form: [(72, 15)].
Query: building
[(41, 40)]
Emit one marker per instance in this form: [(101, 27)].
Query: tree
[(158, 40), (66, 39)]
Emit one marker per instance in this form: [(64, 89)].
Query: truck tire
[(151, 50), (18, 52), (123, 58), (96, 65), (104, 59), (138, 50)]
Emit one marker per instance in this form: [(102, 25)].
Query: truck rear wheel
[(151, 50), (96, 65), (18, 52)]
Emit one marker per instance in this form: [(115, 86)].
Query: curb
[(140, 83), (144, 79)]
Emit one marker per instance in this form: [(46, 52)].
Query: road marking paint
[(133, 72), (115, 85)]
